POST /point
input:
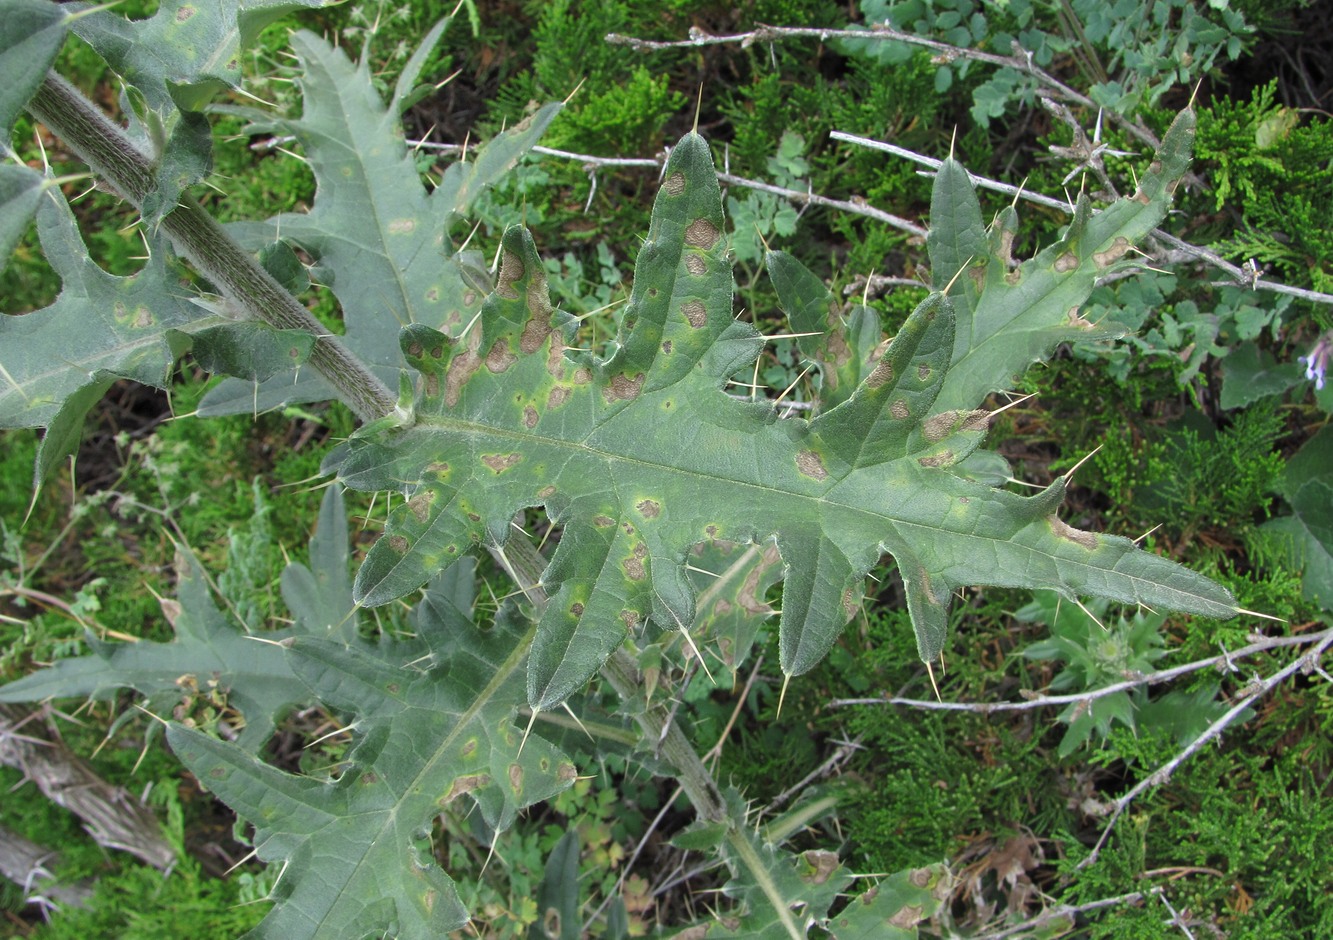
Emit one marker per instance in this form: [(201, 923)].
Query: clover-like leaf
[(642, 454)]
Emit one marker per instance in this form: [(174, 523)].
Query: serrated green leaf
[(320, 595), (187, 52), (892, 909), (1307, 534), (31, 34), (251, 349), (209, 648), (641, 455), (1249, 374), (558, 898), (380, 240), (20, 195), (1009, 318), (844, 348), (101, 327), (356, 850)]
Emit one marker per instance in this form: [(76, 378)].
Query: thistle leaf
[(210, 651), (31, 34), (642, 454), (1007, 317), (380, 240), (55, 363), (357, 849)]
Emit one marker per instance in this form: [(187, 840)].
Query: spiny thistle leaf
[(31, 34), (55, 363), (380, 240), (892, 909), (641, 455), (1009, 317), (211, 652), (357, 850)]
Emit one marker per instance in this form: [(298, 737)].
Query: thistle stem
[(202, 241)]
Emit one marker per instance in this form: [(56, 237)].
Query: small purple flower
[(1316, 364)]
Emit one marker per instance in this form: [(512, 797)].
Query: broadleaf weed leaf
[(643, 454)]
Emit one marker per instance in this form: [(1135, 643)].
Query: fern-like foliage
[(642, 454)]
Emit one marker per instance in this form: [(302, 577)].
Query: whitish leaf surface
[(380, 239), (211, 653), (356, 851), (642, 454)]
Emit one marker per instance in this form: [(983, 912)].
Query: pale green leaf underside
[(642, 455)]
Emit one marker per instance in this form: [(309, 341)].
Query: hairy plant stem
[(202, 241)]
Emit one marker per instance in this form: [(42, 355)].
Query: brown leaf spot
[(899, 409), (464, 784), (909, 915), (822, 864), (634, 569), (546, 492), (701, 234), (143, 318), (402, 226), (461, 369), (535, 332), (923, 372), (576, 609), (882, 375), (500, 462), (623, 387), (1078, 536), (469, 298), (748, 595), (630, 618), (501, 357), (398, 544), (944, 458), (469, 747), (937, 427), (1075, 319), (1066, 262), (675, 184), (695, 312), (666, 348), (185, 12), (650, 508), (415, 348), (696, 265), (516, 778), (810, 464), (420, 505), (557, 396), (511, 269), (582, 376), (603, 521), (1112, 254), (530, 417)]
